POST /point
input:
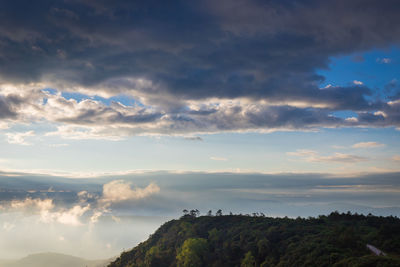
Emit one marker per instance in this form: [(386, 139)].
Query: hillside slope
[(235, 240)]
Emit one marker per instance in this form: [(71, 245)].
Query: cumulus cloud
[(48, 211), (33, 204), (314, 156), (69, 217), (119, 190), (367, 145)]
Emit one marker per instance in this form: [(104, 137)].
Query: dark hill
[(236, 240)]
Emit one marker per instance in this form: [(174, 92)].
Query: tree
[(263, 246), (194, 213), (213, 235), (192, 252), (218, 213), (185, 212), (153, 257), (248, 260), (209, 213)]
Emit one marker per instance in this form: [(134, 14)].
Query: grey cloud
[(193, 138), (392, 89), (93, 119), (5, 109), (169, 54)]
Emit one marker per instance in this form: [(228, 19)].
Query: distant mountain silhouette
[(53, 260), (258, 241)]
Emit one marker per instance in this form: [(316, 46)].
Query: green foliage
[(248, 260), (236, 240), (192, 252)]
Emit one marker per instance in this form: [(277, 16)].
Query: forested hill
[(236, 240)]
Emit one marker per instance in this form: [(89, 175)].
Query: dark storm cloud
[(166, 53), (225, 49)]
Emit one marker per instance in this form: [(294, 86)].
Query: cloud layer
[(82, 216), (190, 67)]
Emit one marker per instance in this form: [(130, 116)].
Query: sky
[(137, 96)]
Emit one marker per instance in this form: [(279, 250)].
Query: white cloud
[(85, 195), (352, 119), (367, 145), (357, 82), (69, 217), (48, 212), (84, 132), (95, 217), (33, 204), (19, 138), (303, 153), (384, 60), (313, 156), (340, 157), (4, 125), (218, 158), (119, 190)]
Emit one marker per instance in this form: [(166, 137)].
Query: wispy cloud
[(396, 158), (218, 158), (384, 60), (193, 138), (314, 156), (367, 145), (58, 145), (19, 138), (7, 226)]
